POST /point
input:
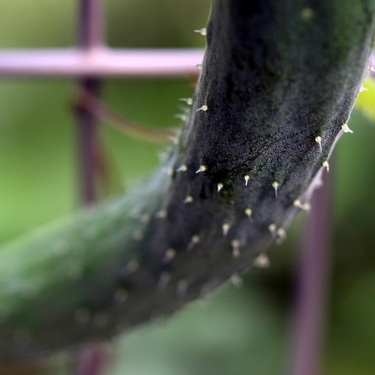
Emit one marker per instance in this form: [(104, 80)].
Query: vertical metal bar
[(90, 36), (87, 144), (91, 24), (312, 287), (91, 360)]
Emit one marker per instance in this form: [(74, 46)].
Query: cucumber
[(278, 83)]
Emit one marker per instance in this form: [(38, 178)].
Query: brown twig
[(85, 100)]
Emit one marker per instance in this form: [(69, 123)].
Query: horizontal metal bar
[(100, 62)]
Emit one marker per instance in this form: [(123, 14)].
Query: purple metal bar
[(91, 360), (313, 284), (90, 29), (91, 24), (87, 143), (100, 62)]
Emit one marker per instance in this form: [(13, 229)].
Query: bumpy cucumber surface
[(278, 82)]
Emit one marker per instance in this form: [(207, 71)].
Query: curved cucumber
[(278, 82)]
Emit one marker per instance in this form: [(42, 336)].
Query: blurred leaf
[(353, 329), (237, 331), (366, 99)]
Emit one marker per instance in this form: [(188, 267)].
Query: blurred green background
[(237, 331)]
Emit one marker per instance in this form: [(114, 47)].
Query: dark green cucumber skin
[(276, 75)]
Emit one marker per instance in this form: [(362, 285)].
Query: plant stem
[(267, 110)]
